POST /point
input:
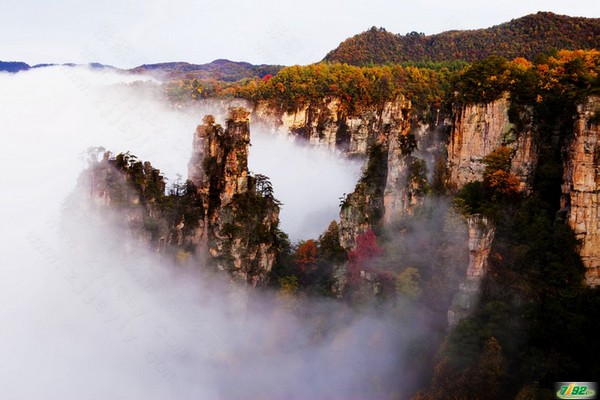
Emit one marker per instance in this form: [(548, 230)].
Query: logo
[(576, 390)]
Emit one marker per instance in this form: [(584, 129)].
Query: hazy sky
[(127, 33)]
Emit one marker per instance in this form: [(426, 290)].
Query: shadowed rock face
[(581, 186)]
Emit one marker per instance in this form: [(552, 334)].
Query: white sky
[(126, 33)]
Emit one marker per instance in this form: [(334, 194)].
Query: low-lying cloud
[(86, 313), (308, 180)]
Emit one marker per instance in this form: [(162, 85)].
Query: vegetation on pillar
[(243, 213), (485, 81), (329, 249), (145, 179), (564, 76), (367, 199), (305, 257), (170, 215)]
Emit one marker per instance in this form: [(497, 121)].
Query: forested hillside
[(522, 37)]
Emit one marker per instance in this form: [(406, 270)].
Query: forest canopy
[(523, 37)]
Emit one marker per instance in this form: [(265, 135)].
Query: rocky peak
[(219, 163), (241, 214)]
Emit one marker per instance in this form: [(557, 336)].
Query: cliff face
[(393, 187), (401, 154), (390, 188), (481, 235), (581, 186), (327, 123), (479, 129), (413, 150), (394, 184), (241, 216)]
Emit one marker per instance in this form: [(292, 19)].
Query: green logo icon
[(576, 390)]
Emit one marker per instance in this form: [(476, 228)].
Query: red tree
[(366, 251)]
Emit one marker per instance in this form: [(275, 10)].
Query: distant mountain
[(95, 65), (221, 70), (13, 66), (44, 65), (522, 37), (16, 66), (92, 65)]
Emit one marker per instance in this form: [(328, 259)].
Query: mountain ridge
[(219, 69), (526, 37)]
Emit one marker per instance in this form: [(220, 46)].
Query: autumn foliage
[(499, 185), (305, 257), (497, 176), (524, 37), (366, 252), (357, 88), (503, 183)]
